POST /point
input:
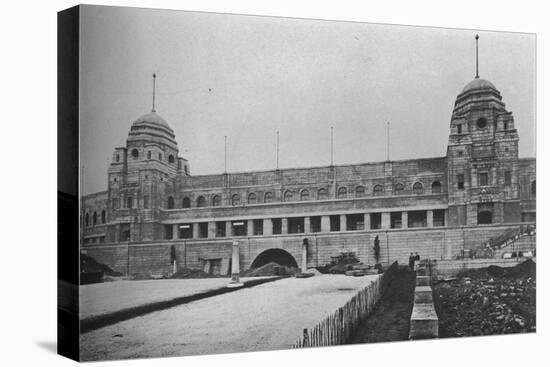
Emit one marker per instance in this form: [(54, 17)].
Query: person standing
[(416, 260), (411, 262)]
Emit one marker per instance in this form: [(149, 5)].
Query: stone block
[(424, 322), (422, 280), (423, 294)]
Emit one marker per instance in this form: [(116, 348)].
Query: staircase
[(514, 241)]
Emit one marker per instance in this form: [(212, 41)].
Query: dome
[(152, 118), (478, 83), (152, 128)]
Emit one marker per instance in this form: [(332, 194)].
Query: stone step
[(422, 280), (423, 294), (424, 322)]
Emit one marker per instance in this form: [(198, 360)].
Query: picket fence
[(337, 328)]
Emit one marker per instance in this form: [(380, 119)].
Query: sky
[(247, 77)]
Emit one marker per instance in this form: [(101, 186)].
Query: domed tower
[(139, 175), (482, 158)]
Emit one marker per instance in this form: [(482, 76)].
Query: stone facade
[(434, 206)]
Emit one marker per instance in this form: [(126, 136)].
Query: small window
[(481, 123), (378, 190), (216, 200), (252, 198), (505, 126), (235, 199), (359, 191), (322, 194), (417, 188), (436, 187), (103, 217), (117, 158), (201, 202), (507, 178), (149, 154), (288, 195), (87, 220), (186, 203), (170, 202), (460, 181), (135, 153), (534, 188), (115, 203), (304, 195), (160, 156), (484, 179), (129, 202), (399, 188), (460, 153), (171, 158), (459, 129), (146, 202), (342, 193), (94, 218), (268, 197)]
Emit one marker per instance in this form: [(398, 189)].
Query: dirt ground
[(390, 319), (266, 317)]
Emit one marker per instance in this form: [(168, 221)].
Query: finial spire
[(477, 58), (154, 78)]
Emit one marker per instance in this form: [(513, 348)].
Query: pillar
[(385, 220), (195, 230), (304, 255), (343, 222), (235, 269), (228, 229), (268, 227), (117, 232), (366, 221), (430, 218), (325, 223), (211, 229), (175, 231), (284, 225), (133, 232), (405, 219), (307, 225), (249, 227)]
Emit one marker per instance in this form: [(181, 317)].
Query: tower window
[(186, 203), (149, 154), (171, 158), (135, 153), (459, 129), (342, 193), (507, 178), (481, 123), (484, 179), (268, 197), (322, 194), (436, 187), (170, 202), (460, 181)]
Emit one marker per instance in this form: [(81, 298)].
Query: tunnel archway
[(275, 255)]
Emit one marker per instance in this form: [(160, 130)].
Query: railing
[(337, 328)]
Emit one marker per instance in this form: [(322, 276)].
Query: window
[(485, 213), (115, 203), (359, 191), (103, 217), (235, 199), (201, 202), (534, 188), (288, 195), (417, 188), (484, 179), (296, 225), (399, 187), (252, 198), (460, 181), (342, 193), (459, 129), (117, 158), (436, 187), (355, 222), (334, 223), (507, 178), (395, 219), (322, 194), (417, 218), (460, 153), (216, 200), (220, 229), (149, 154), (268, 197), (378, 190), (185, 230), (376, 220), (160, 156), (239, 227), (135, 153), (481, 123), (439, 218), (171, 158), (203, 229), (277, 225), (146, 202), (130, 202), (258, 227), (87, 220), (186, 202), (167, 231), (94, 218), (170, 202), (505, 126), (315, 224), (304, 195)]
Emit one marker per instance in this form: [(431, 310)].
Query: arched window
[(160, 156), (117, 158), (322, 194), (378, 190), (417, 188), (103, 219), (186, 203), (149, 154), (436, 187), (252, 198), (201, 202), (342, 193), (534, 188), (87, 220), (268, 197), (170, 202), (359, 191), (129, 202), (235, 199), (399, 187), (94, 218), (288, 195), (171, 158), (304, 195), (216, 200), (135, 153)]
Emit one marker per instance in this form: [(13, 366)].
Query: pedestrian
[(416, 261), (411, 262)]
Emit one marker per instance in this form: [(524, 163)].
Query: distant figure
[(416, 261), (411, 262)]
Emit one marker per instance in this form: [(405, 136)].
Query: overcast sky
[(247, 77)]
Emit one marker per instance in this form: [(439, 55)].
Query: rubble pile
[(488, 301)]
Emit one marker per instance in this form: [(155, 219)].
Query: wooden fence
[(337, 328)]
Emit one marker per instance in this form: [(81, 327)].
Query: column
[(430, 218), (195, 230), (132, 232), (367, 221), (385, 220), (175, 231), (249, 227), (268, 227), (405, 219), (325, 223), (304, 255), (343, 222), (307, 225), (211, 229), (228, 229), (117, 232), (284, 225), (235, 269)]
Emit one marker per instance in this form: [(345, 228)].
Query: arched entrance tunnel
[(275, 255)]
